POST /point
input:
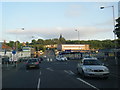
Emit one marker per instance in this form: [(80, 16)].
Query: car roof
[(89, 59)]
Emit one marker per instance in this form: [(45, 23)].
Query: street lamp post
[(17, 46), (78, 34), (102, 7), (17, 40)]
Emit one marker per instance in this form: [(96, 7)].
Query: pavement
[(111, 64)]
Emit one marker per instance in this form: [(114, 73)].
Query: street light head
[(102, 7), (22, 28), (75, 29)]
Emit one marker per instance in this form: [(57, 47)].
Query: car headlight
[(88, 70), (106, 70)]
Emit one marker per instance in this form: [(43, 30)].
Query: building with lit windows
[(73, 47)]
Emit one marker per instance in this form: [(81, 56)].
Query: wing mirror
[(103, 64)]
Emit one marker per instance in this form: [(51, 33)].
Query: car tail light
[(37, 63), (26, 63)]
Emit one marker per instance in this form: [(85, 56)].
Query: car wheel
[(38, 67), (105, 78), (83, 75), (27, 68), (78, 71)]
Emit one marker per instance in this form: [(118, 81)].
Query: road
[(54, 74)]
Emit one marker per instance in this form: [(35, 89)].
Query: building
[(26, 48), (1, 46), (51, 46), (4, 46), (73, 47)]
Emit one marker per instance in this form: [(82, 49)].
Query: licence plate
[(98, 74), (32, 66)]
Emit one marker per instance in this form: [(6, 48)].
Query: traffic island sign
[(13, 52)]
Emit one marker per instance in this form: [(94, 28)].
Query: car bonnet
[(94, 67)]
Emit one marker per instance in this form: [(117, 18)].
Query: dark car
[(5, 60), (32, 63)]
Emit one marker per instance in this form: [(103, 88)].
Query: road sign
[(13, 52)]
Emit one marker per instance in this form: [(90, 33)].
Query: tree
[(27, 43), (62, 40), (11, 43), (40, 41), (117, 29), (33, 42)]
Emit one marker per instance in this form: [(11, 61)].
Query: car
[(61, 58), (32, 63), (92, 67), (89, 57), (5, 60)]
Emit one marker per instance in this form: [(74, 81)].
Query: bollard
[(47, 59), (51, 59), (7, 64)]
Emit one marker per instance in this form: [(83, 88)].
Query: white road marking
[(66, 71), (69, 72), (50, 69), (115, 76), (88, 83), (40, 72), (38, 86), (27, 71)]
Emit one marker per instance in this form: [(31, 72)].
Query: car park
[(61, 58), (92, 67), (32, 63)]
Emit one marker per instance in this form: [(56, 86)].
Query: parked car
[(92, 67), (85, 57), (32, 63), (5, 59), (61, 58)]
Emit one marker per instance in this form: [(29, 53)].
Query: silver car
[(61, 58), (92, 67)]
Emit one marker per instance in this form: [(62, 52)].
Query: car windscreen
[(32, 60), (92, 62)]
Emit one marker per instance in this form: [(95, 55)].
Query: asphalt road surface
[(53, 75)]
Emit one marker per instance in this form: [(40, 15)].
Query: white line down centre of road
[(38, 86), (88, 83)]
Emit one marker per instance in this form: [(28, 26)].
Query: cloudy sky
[(47, 20)]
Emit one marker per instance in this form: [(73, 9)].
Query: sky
[(47, 20)]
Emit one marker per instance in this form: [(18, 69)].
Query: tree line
[(40, 43)]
